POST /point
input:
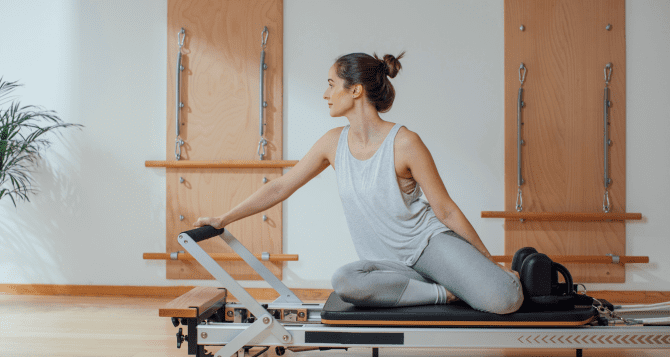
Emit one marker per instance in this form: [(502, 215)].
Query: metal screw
[(285, 338), (265, 179), (265, 104), (181, 218), (301, 314), (609, 27), (181, 180), (521, 28), (265, 218), (230, 313), (203, 335), (266, 320)]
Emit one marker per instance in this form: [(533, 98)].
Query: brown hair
[(371, 72)]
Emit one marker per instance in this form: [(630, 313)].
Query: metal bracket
[(257, 331), (615, 258), (175, 255)]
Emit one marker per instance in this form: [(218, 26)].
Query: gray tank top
[(385, 223)]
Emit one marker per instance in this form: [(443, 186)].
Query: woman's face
[(339, 99)]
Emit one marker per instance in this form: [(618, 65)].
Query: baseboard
[(265, 294), (156, 292)]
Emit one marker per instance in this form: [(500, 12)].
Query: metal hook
[(264, 40), (519, 197), (606, 207), (177, 149), (262, 142), (180, 39), (608, 77), (524, 73)]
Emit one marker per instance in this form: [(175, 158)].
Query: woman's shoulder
[(406, 138)]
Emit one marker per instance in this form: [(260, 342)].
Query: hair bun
[(392, 64)]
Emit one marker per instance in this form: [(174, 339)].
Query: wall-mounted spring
[(607, 142), (263, 103), (520, 104), (181, 35)]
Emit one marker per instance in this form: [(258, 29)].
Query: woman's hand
[(509, 270), (215, 222), (505, 268)]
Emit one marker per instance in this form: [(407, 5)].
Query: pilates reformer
[(553, 316)]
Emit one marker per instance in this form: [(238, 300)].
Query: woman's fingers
[(202, 221), (208, 221)]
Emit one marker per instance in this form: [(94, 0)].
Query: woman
[(412, 252)]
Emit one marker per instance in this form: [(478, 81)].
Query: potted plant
[(20, 142)]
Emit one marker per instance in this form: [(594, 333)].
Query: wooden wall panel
[(565, 47), (220, 121), (206, 193)]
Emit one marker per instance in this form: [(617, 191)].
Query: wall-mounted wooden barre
[(562, 216), (221, 164), (222, 257), (583, 259)]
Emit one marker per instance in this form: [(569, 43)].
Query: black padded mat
[(337, 312)]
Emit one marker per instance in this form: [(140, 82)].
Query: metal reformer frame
[(267, 330)]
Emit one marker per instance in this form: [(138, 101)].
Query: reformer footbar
[(552, 316)]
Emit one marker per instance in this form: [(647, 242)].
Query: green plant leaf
[(21, 139)]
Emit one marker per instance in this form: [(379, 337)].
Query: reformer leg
[(579, 352), (375, 352)]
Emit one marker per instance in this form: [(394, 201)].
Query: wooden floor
[(101, 326)]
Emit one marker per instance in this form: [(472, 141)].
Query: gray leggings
[(448, 260)]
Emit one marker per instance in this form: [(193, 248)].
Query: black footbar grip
[(204, 232)]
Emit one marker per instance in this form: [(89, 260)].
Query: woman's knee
[(506, 303), (510, 304), (500, 300), (346, 283)]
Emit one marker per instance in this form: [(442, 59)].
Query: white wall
[(102, 64)]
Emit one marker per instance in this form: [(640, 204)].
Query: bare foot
[(451, 298)]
